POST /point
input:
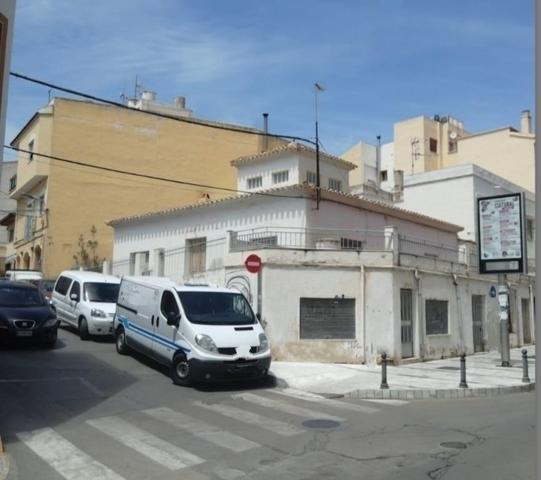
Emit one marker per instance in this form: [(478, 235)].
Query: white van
[(87, 301), (202, 333), (23, 275)]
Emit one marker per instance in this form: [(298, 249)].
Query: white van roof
[(85, 276), (163, 282)]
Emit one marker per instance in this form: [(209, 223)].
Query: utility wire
[(151, 177), (217, 126)]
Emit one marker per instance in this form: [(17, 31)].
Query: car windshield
[(20, 297), (101, 292), (217, 308)]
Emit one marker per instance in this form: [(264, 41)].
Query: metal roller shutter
[(327, 318)]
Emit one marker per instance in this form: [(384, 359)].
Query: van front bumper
[(245, 369)]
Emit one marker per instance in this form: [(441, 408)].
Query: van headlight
[(206, 343), (263, 342), (96, 312)]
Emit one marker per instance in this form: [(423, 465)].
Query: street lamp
[(317, 88)]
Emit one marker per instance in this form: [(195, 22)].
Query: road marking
[(202, 430), (284, 407), (164, 453), (64, 457), (275, 426), (312, 397)]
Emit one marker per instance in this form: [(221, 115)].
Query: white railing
[(307, 239)]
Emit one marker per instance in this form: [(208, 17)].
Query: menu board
[(500, 231)]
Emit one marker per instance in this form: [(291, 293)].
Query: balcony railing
[(307, 239), (423, 248)]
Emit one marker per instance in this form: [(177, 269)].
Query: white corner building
[(341, 281)]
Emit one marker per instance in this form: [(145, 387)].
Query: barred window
[(196, 255), (311, 177), (254, 182), (280, 177), (437, 321), (335, 184)]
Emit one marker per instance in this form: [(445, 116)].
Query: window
[(12, 183), (254, 182), (169, 304), (383, 176), (436, 312), (453, 147), (29, 221), (196, 252), (327, 318), (280, 177), (311, 177), (530, 229), (433, 145), (335, 184), (11, 234), (41, 204), (75, 289), (31, 150), (62, 285), (350, 244)]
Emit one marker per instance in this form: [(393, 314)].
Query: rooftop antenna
[(317, 88)]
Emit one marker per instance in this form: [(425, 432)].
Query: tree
[(86, 256)]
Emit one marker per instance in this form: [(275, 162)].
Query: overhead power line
[(151, 177), (217, 126)]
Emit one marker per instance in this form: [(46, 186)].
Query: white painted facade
[(297, 164), (450, 194), (349, 250)]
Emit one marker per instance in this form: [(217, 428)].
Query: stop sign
[(253, 263)]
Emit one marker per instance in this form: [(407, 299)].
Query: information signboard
[(501, 234)]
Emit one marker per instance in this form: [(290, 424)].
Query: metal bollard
[(463, 383), (525, 377), (384, 384)]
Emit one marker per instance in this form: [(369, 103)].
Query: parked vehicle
[(86, 301), (23, 275), (45, 286), (25, 314), (202, 333)]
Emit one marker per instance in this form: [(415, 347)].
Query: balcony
[(28, 176)]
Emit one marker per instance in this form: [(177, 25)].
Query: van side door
[(60, 295), (73, 298), (164, 334)]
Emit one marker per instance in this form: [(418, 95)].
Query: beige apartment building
[(423, 144), (58, 201)]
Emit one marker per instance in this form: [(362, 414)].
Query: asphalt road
[(83, 412)]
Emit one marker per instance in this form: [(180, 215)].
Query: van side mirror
[(258, 316), (74, 297), (173, 318)]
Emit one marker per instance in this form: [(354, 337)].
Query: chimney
[(265, 146), (398, 190), (179, 102), (525, 122)]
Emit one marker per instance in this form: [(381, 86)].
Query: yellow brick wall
[(79, 197)]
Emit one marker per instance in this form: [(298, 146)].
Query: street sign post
[(502, 250)]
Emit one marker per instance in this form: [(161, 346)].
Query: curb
[(453, 393)]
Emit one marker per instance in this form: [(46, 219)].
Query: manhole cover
[(448, 368), (458, 445), (321, 423)]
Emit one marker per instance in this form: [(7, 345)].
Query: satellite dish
[(453, 135)]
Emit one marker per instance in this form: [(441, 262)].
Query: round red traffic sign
[(253, 263)]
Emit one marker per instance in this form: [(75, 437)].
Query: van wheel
[(180, 371), (120, 342), (83, 329)]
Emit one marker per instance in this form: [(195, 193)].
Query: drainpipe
[(459, 316), (418, 315), (363, 311)]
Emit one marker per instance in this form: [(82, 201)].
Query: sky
[(380, 61)]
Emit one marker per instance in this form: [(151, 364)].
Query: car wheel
[(180, 371), (120, 342), (83, 329), (50, 342)]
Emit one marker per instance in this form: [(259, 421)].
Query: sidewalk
[(422, 380)]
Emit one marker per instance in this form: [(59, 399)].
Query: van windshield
[(217, 308), (101, 292)]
